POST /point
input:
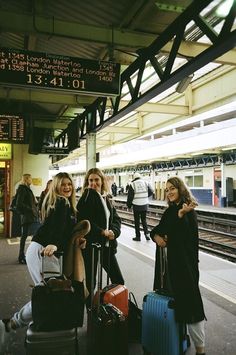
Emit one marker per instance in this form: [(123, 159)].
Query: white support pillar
[(90, 151), (223, 181)]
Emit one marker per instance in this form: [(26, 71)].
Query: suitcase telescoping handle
[(59, 256), (163, 262), (97, 247)]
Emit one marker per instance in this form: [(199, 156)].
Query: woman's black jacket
[(26, 205), (90, 207), (182, 255), (57, 227)]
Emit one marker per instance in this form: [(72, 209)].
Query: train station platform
[(218, 287), (200, 207)]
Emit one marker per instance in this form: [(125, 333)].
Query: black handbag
[(134, 320), (57, 304)]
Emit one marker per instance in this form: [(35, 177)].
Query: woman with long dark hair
[(178, 231)]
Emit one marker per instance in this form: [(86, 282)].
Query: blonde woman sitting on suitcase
[(55, 234)]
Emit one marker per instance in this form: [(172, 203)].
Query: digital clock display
[(42, 70), (12, 129)]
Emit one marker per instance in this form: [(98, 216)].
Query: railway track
[(216, 236)]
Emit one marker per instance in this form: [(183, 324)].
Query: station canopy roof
[(177, 64)]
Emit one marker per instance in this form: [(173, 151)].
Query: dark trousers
[(113, 269), (137, 216), (24, 235)]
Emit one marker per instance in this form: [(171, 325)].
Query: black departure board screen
[(12, 129), (50, 71)]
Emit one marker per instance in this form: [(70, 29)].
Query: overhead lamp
[(184, 83)]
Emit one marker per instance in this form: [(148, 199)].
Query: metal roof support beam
[(166, 75)]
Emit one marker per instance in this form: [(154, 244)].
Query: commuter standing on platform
[(178, 230), (138, 193), (59, 232), (95, 205), (27, 208), (43, 194)]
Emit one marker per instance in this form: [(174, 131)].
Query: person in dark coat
[(178, 231), (95, 205), (43, 194), (26, 206)]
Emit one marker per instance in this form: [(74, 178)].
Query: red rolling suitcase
[(107, 326), (115, 294), (161, 334)]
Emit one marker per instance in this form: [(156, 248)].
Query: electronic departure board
[(50, 71), (12, 129)]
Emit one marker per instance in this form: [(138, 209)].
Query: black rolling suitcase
[(61, 342), (55, 320), (107, 326)]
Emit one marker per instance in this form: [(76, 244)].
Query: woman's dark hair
[(184, 192)]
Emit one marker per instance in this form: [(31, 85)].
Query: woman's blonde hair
[(104, 187), (25, 179), (53, 193), (184, 193)]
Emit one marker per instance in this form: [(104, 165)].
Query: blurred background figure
[(26, 206), (114, 189), (43, 194)]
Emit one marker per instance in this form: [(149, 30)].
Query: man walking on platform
[(138, 193)]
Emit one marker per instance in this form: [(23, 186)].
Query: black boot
[(136, 239), (21, 259)]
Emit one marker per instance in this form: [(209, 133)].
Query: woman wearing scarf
[(96, 207)]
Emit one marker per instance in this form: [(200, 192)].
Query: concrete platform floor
[(137, 267)]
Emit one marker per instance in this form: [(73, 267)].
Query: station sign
[(12, 129), (5, 151), (58, 72), (54, 151)]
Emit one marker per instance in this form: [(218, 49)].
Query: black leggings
[(114, 273), (24, 234)]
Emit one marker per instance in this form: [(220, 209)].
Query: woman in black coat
[(27, 208), (178, 231), (95, 205)]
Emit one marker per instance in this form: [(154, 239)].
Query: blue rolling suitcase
[(161, 334)]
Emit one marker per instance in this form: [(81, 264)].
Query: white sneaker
[(4, 336)]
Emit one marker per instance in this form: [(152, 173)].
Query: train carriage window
[(198, 181), (189, 181), (195, 179)]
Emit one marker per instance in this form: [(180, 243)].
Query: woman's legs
[(34, 262), (112, 267), (197, 333), (24, 235)]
